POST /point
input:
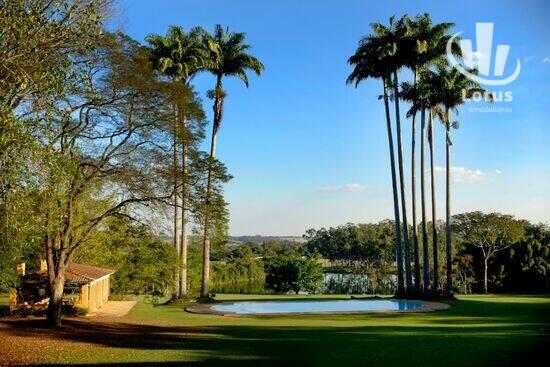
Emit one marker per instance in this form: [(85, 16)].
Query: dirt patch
[(113, 309)]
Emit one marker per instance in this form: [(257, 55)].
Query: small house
[(86, 286)]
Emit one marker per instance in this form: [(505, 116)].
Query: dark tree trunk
[(398, 249), (434, 213), (485, 271), (406, 243), (55, 261), (425, 249), (55, 305)]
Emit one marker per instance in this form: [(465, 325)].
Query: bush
[(74, 311), (242, 275), (5, 311), (285, 273)]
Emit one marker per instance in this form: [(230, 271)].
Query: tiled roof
[(81, 273), (75, 273)]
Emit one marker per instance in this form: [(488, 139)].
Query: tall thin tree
[(454, 88), (370, 61), (228, 56), (393, 38), (179, 55), (425, 45)]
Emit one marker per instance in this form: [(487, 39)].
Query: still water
[(316, 306)]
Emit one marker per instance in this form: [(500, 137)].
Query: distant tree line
[(491, 252)]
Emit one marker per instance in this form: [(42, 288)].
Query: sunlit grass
[(495, 330)]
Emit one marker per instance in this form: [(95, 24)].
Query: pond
[(313, 306), (333, 283), (351, 283)]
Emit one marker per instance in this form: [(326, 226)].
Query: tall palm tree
[(428, 97), (453, 88), (393, 38), (415, 94), (370, 61), (180, 56), (425, 45), (228, 56)]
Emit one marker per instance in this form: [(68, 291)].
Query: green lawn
[(476, 330)]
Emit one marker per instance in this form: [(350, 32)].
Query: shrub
[(5, 311), (74, 311), (242, 275), (285, 273)]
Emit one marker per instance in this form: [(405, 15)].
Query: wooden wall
[(94, 294)]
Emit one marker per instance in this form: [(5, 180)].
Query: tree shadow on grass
[(470, 333)]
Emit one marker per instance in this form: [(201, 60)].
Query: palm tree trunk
[(434, 213), (177, 292), (398, 249), (183, 241), (406, 243), (205, 286), (449, 288), (413, 188), (426, 258)]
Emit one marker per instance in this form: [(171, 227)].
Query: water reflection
[(352, 283)]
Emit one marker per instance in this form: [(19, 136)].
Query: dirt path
[(113, 309)]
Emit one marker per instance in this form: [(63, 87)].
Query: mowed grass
[(499, 330)]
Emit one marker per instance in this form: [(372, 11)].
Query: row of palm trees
[(436, 90), (180, 56)]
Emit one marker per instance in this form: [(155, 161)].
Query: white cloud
[(345, 187), (528, 58), (466, 175), (546, 59)]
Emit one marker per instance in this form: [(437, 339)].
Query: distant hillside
[(263, 239), (255, 239)]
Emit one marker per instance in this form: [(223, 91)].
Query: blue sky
[(306, 150)]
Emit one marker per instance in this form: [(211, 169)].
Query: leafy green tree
[(102, 152), (18, 240), (364, 246), (285, 273), (37, 48), (39, 39), (534, 256), (133, 252), (227, 56), (524, 266), (490, 233), (463, 269), (244, 274)]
